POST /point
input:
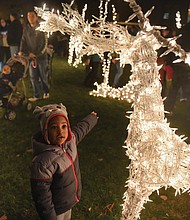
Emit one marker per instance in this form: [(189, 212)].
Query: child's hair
[(15, 15)]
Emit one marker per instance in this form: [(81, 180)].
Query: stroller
[(17, 95)]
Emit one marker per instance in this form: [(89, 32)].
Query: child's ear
[(62, 107), (38, 111)]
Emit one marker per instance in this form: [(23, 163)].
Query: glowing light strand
[(178, 20)]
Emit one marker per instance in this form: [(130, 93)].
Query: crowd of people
[(17, 39), (175, 77), (20, 38)]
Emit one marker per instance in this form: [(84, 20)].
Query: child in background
[(8, 81), (55, 173)]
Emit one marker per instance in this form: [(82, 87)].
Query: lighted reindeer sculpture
[(159, 157)]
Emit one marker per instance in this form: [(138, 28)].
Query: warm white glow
[(159, 157), (178, 20)]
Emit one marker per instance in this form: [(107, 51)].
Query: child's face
[(6, 69), (57, 130)]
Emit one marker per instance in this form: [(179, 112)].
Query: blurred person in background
[(14, 33), (4, 47), (181, 76), (34, 45)]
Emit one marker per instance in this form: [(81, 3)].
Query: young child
[(8, 81), (55, 173)]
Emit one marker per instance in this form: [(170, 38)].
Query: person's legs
[(176, 84), (1, 55), (7, 53), (91, 74), (94, 72), (65, 216), (171, 99), (88, 77), (4, 90), (118, 74), (34, 78), (188, 102), (14, 50), (186, 89), (43, 73)]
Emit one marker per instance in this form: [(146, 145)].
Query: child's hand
[(94, 113), (11, 85), (5, 81), (20, 53), (32, 56)]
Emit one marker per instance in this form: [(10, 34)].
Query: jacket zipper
[(74, 173)]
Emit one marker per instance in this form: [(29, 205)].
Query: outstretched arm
[(85, 126)]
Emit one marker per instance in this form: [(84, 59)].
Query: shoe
[(183, 99), (33, 99), (46, 96)]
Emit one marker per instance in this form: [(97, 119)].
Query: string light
[(159, 157), (178, 20), (114, 14)]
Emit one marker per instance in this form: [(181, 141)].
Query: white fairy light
[(159, 157), (101, 9), (106, 10), (84, 11), (114, 14), (44, 7), (178, 20)]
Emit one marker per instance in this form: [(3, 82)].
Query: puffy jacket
[(55, 173)]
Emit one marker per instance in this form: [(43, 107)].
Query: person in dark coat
[(55, 173), (93, 63), (14, 34), (4, 47)]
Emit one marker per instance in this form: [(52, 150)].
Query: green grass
[(102, 159)]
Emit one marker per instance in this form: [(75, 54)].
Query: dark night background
[(122, 8)]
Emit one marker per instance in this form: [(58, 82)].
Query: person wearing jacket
[(14, 34), (4, 47), (34, 44), (55, 173)]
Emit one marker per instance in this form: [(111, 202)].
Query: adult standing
[(34, 44), (93, 64), (181, 76), (4, 47), (14, 33)]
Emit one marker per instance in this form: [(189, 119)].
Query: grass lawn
[(102, 159)]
